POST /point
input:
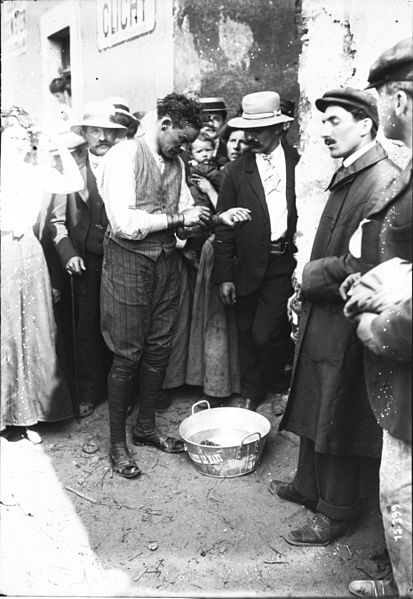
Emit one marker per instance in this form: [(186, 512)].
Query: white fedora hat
[(260, 109), (98, 114)]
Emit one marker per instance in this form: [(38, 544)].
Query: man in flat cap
[(328, 405), (387, 332), (77, 226), (253, 265)]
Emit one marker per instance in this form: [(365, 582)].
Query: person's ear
[(166, 123), (401, 102)]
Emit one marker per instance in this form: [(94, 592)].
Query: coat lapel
[(254, 181), (346, 174)]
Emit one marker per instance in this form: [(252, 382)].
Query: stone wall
[(233, 47), (340, 39)]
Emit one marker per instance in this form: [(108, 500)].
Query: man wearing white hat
[(253, 265), (78, 223)]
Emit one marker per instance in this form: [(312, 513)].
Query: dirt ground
[(171, 532)]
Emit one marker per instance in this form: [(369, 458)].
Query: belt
[(280, 246)]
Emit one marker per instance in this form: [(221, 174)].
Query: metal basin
[(224, 442)]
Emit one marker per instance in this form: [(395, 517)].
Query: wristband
[(175, 220)]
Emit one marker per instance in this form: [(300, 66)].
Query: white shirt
[(117, 186), (358, 153), (272, 171)]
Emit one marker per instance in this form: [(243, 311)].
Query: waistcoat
[(98, 218), (156, 193)]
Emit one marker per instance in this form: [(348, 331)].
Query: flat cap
[(349, 97), (394, 64)]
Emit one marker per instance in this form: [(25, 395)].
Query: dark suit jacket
[(69, 226), (242, 254)]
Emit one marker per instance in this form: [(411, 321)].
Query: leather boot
[(119, 392), (144, 432)]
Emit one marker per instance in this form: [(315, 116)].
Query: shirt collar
[(94, 161), (358, 153)]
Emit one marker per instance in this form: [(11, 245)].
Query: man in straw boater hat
[(327, 405), (77, 226), (384, 320), (214, 117), (147, 201), (253, 265)]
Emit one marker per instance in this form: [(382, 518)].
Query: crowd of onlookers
[(142, 252)]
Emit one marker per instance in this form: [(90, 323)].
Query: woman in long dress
[(32, 388), (213, 347)]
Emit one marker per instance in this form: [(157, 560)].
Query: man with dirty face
[(143, 186), (327, 405)]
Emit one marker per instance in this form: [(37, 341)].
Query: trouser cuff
[(339, 512)]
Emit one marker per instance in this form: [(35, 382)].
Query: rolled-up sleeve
[(117, 186)]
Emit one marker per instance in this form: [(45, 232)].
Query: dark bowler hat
[(394, 64), (349, 97), (213, 104)]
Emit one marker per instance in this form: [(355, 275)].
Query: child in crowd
[(204, 179)]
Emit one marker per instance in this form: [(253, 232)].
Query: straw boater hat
[(213, 104), (260, 109), (121, 106), (98, 114)]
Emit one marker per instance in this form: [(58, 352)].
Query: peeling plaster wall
[(233, 47), (340, 39)]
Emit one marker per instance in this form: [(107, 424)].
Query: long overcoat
[(328, 400)]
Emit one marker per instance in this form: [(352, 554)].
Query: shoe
[(86, 408), (286, 491), (278, 403), (320, 531), (373, 588), (33, 436), (155, 439), (246, 403), (122, 461)]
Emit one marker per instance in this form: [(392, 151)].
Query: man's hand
[(197, 215), (234, 216), (347, 284), (56, 295), (364, 332), (227, 293), (75, 266)]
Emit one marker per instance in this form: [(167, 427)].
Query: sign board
[(122, 20), (14, 28)]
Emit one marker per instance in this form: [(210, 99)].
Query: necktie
[(272, 179)]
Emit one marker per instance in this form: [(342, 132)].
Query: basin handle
[(199, 402), (238, 454), (250, 435)]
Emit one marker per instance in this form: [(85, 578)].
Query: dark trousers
[(332, 480), (94, 359), (263, 329)]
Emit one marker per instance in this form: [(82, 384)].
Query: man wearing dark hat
[(253, 265), (77, 225), (386, 333), (214, 117), (327, 405)]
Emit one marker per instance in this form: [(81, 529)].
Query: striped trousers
[(139, 304)]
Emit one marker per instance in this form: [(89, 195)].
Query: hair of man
[(359, 115), (181, 110)]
